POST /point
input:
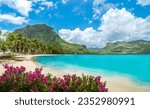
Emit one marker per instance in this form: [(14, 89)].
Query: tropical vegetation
[(3, 46), (18, 43), (46, 34), (132, 47), (39, 39), (17, 79), (42, 39)]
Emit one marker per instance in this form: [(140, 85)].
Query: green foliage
[(47, 35), (42, 39), (3, 46), (19, 80), (18, 43), (133, 47)]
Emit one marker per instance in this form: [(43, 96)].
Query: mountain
[(3, 34), (47, 34), (133, 47)]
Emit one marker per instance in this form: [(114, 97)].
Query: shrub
[(17, 79)]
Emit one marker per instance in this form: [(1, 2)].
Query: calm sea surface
[(135, 66)]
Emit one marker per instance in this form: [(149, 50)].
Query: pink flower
[(29, 81), (38, 70), (31, 90), (22, 69), (106, 89), (62, 81), (6, 66), (21, 78), (105, 84), (65, 76), (11, 90), (8, 77), (15, 70), (74, 76), (98, 82), (1, 77), (98, 78), (6, 72), (100, 89), (51, 89), (45, 81), (14, 83), (1, 80)]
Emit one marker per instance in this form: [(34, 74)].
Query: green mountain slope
[(47, 34), (133, 47)]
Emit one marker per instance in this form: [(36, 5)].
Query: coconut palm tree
[(3, 46)]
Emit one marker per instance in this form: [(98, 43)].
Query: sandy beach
[(114, 83)]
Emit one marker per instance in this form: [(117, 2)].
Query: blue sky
[(90, 22)]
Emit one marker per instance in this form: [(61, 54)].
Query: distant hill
[(48, 35), (133, 47)]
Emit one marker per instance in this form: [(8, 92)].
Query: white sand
[(114, 83)]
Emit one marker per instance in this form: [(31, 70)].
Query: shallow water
[(134, 66)]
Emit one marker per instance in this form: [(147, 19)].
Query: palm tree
[(3, 46), (18, 43)]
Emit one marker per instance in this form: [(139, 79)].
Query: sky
[(93, 23)]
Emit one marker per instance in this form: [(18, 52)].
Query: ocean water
[(135, 66)]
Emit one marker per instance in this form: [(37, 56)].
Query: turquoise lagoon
[(135, 66)]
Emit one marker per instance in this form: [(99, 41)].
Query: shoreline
[(114, 83)]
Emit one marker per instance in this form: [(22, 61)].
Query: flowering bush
[(16, 79)]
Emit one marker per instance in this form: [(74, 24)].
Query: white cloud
[(90, 22), (43, 5), (39, 10), (100, 7), (78, 10), (143, 2), (88, 37), (22, 6), (36, 1), (97, 2), (3, 35), (117, 25), (121, 25), (17, 20), (64, 1), (48, 4)]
